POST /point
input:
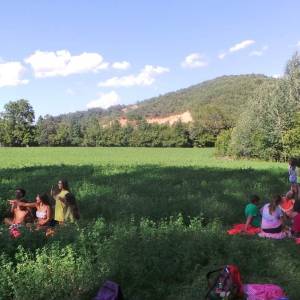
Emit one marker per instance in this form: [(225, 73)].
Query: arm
[(62, 199), (248, 222), (24, 204)]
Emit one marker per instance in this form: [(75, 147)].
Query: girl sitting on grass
[(272, 225)]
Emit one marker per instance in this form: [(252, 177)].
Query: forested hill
[(227, 93)]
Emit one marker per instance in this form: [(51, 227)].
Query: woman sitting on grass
[(272, 225), (43, 210)]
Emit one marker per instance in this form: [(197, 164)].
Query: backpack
[(109, 291), (227, 284)]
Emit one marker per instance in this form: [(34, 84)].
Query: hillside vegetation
[(228, 93)]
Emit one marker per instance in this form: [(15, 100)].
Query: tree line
[(18, 129)]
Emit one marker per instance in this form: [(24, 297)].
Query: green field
[(153, 220)]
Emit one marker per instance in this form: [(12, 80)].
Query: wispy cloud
[(105, 100), (62, 63), (222, 55), (237, 47), (194, 60), (241, 45), (146, 77), (259, 52), (122, 65), (11, 74)]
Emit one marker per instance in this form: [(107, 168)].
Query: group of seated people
[(277, 219), (46, 212)]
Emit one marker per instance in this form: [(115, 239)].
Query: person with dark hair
[(253, 219), (18, 215), (272, 225), (252, 213), (72, 211), (60, 200), (43, 209)]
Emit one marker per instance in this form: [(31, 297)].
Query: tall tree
[(17, 121)]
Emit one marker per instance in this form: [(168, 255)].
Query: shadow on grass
[(121, 193)]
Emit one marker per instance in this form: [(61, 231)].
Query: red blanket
[(238, 228)]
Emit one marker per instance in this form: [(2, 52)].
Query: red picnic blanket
[(238, 228)]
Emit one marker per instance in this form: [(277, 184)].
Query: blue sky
[(65, 56)]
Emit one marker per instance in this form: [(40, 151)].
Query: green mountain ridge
[(228, 93)]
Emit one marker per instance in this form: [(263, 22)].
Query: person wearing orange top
[(287, 204)]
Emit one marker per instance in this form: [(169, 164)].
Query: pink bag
[(263, 291)]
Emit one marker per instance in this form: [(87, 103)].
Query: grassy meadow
[(153, 220)]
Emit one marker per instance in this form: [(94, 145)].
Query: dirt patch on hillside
[(185, 117)]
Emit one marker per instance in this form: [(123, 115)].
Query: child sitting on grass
[(253, 219), (252, 213)]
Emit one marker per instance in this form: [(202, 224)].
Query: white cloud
[(298, 44), (236, 47), (62, 63), (121, 65), (105, 100), (277, 75), (145, 77), (194, 60), (259, 52), (222, 55), (11, 74), (241, 45)]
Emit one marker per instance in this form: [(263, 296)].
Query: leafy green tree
[(17, 124), (46, 130), (92, 133), (63, 134), (292, 75)]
